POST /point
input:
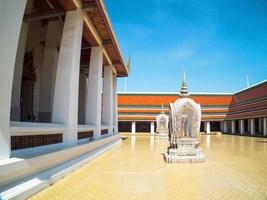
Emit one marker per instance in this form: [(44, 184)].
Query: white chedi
[(162, 125), (184, 120)]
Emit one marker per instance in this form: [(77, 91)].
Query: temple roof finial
[(183, 91), (128, 65)]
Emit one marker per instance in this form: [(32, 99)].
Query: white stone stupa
[(185, 118), (162, 125)]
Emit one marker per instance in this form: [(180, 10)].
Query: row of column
[(251, 126), (224, 126), (66, 90), (152, 127), (233, 128)]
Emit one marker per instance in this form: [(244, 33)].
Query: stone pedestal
[(162, 135), (186, 151)]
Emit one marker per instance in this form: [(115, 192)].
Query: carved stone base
[(180, 156), (162, 136), (186, 151)]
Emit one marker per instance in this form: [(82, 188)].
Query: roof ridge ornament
[(183, 91), (128, 65)]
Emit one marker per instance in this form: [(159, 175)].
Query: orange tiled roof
[(166, 111), (167, 99)]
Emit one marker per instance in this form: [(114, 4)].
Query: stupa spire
[(162, 109), (183, 91)]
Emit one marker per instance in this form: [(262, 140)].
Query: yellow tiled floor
[(236, 168)]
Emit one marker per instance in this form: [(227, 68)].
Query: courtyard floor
[(236, 168)]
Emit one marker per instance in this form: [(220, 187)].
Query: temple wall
[(244, 104), (253, 93), (143, 107), (249, 103)]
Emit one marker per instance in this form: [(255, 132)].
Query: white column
[(225, 126), (252, 126), (115, 105), (107, 117), (65, 109), (265, 126), (233, 126), (207, 127), (93, 105), (82, 98), (49, 70), (152, 127), (242, 126), (11, 15), (133, 127)]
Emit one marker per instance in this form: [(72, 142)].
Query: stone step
[(28, 186)]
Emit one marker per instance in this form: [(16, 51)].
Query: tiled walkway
[(236, 168)]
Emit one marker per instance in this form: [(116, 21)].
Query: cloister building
[(59, 106), (243, 112), (60, 61)]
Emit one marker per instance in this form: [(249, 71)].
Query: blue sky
[(217, 42)]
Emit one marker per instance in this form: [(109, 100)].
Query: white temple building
[(60, 61)]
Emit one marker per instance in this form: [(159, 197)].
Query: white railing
[(84, 128), (34, 128)]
